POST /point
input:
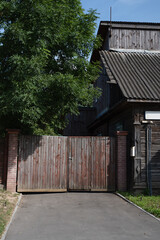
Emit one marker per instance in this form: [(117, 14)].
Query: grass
[(149, 203), (8, 202)]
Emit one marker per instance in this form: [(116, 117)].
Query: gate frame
[(12, 160), (107, 157)]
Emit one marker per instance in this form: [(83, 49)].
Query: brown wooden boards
[(42, 164), (54, 164), (89, 159), (79, 163)]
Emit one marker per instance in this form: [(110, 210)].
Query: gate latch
[(70, 158)]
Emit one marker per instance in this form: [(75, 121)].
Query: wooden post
[(121, 165), (12, 159)]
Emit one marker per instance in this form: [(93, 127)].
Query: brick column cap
[(121, 133), (13, 131)]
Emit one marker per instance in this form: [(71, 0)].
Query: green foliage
[(44, 68), (149, 203)]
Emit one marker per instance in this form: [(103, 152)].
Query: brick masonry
[(1, 159), (121, 160), (12, 160)]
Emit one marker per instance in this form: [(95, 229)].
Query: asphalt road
[(80, 216)]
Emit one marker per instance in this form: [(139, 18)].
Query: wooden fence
[(51, 164)]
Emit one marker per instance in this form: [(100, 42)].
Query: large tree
[(44, 68)]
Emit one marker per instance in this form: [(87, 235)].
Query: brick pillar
[(121, 165), (1, 160), (12, 159)]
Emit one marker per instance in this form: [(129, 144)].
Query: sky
[(125, 10)]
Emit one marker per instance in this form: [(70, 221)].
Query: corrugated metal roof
[(137, 74)]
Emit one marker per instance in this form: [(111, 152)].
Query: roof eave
[(143, 100), (132, 25)]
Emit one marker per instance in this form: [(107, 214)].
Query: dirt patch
[(8, 202)]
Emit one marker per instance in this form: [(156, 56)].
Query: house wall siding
[(77, 125), (101, 103), (140, 160), (134, 39)]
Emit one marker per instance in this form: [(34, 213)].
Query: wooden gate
[(54, 164), (42, 165), (89, 159)]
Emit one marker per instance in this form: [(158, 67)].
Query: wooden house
[(130, 100)]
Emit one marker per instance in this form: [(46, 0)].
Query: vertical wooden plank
[(91, 165), (78, 163), (57, 162), (61, 162), (122, 42), (93, 162), (53, 163), (63, 155), (72, 164), (74, 161), (137, 39), (65, 170), (43, 163), (49, 152), (32, 163), (77, 160), (88, 162), (36, 159), (84, 160), (102, 164), (26, 161), (47, 165), (69, 166), (82, 173), (23, 163), (107, 162), (20, 165), (39, 162)]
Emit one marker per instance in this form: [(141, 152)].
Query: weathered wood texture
[(2, 144), (42, 163), (135, 39), (140, 162), (52, 164), (89, 164), (155, 155)]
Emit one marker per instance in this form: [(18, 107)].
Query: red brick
[(12, 159), (121, 161)]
